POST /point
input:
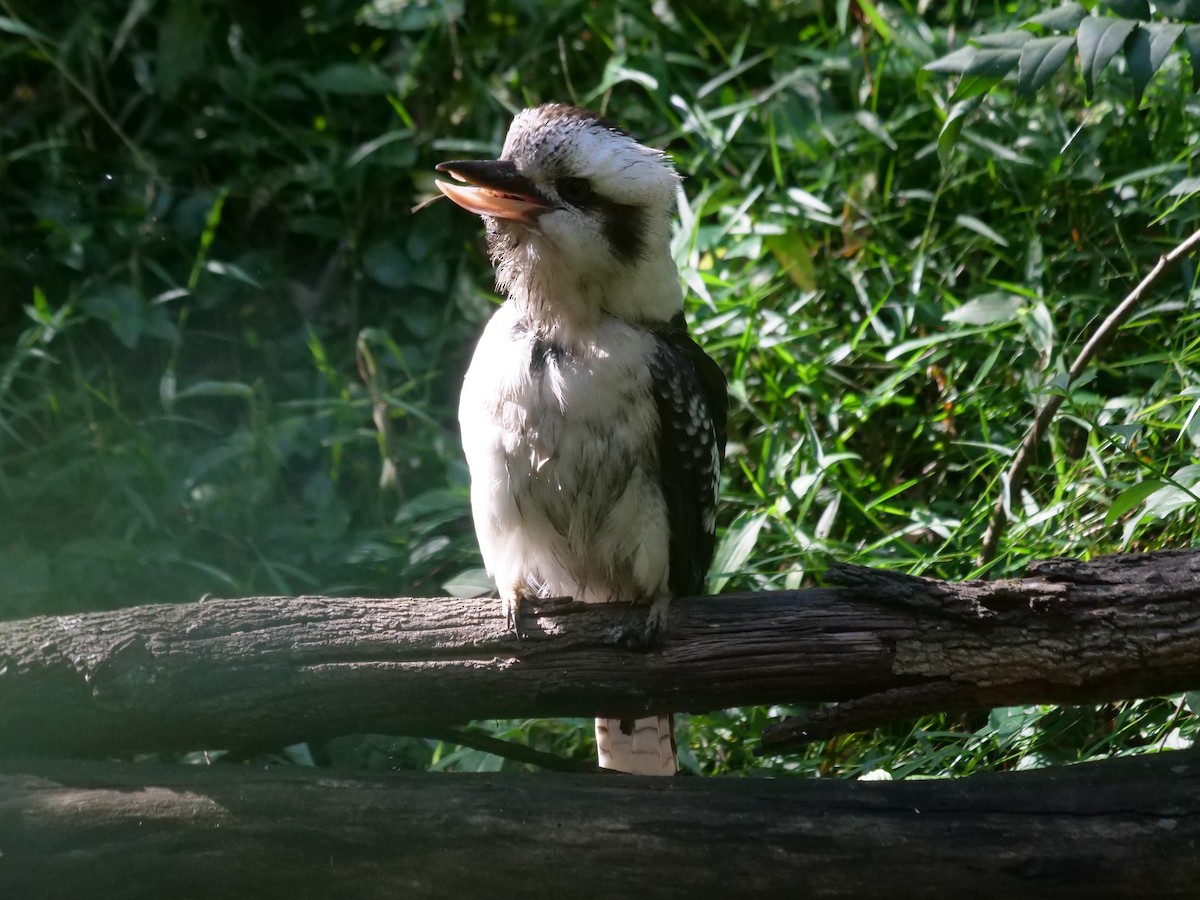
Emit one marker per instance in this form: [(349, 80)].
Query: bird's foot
[(656, 622), (512, 603)]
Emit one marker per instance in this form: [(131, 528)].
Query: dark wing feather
[(692, 399)]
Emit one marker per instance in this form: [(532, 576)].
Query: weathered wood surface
[(1126, 828), (273, 671)]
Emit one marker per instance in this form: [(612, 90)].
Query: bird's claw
[(656, 622), (512, 615)]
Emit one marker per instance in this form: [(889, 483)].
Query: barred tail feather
[(638, 746)]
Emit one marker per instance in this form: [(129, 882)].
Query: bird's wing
[(692, 399)]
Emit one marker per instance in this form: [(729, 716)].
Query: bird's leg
[(656, 622), (512, 601)]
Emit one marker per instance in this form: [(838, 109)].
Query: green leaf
[(1131, 497), (365, 150), (878, 22), (990, 309), (954, 63), (1145, 51), (13, 26), (1099, 40), (1003, 39), (795, 257), (994, 62), (123, 310), (1188, 10), (736, 545), (217, 389), (984, 71), (973, 86), (1063, 18), (1163, 36), (952, 127), (1189, 185), (469, 583), (973, 224), (1129, 9), (1191, 38), (1040, 59), (350, 79)]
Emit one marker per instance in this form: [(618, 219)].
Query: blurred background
[(230, 355)]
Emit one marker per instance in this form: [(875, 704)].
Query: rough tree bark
[(273, 671), (1126, 828)]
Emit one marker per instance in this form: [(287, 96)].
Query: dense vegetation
[(231, 355)]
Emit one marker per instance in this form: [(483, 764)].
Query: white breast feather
[(564, 464)]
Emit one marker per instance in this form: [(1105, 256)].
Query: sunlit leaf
[(980, 228), (1130, 497), (734, 549), (1173, 497), (990, 309), (795, 258)]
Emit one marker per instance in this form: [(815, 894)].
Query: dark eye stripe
[(623, 224), (625, 230)]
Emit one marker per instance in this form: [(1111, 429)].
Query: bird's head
[(578, 217)]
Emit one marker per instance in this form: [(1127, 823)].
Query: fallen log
[(267, 672), (1122, 828)]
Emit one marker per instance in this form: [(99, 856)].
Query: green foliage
[(1040, 45), (231, 354)]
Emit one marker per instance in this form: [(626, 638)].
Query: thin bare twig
[(1011, 481)]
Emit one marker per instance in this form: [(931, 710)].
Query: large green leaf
[(1179, 9), (1099, 40), (954, 63), (1040, 59), (1145, 51), (1062, 18), (1003, 39), (1131, 497)]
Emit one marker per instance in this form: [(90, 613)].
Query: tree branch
[(1011, 482), (1122, 828), (268, 672)]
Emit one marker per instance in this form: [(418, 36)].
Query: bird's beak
[(493, 188)]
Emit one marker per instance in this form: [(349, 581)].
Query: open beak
[(493, 188)]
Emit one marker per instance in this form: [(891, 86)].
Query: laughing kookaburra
[(594, 426)]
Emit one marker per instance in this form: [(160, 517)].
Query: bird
[(592, 423)]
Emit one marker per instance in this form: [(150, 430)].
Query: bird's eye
[(573, 190)]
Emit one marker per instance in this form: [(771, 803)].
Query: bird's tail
[(639, 746)]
